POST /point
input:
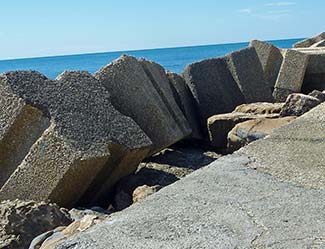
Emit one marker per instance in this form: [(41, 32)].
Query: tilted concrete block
[(310, 41), (141, 91), (213, 87), (247, 71), (291, 74), (87, 139), (270, 58), (185, 101)]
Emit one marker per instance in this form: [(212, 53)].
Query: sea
[(172, 59)]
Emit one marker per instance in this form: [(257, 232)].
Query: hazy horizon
[(35, 28)]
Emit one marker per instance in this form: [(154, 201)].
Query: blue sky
[(34, 28)]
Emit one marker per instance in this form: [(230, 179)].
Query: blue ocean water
[(173, 59)]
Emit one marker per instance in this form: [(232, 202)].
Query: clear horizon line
[(136, 50)]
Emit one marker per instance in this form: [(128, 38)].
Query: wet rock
[(252, 130), (21, 221), (298, 104)]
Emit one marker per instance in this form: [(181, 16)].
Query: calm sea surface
[(173, 59)]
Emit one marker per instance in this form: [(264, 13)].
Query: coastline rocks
[(21, 221), (260, 108), (247, 71), (318, 44), (252, 130), (310, 41), (270, 58), (298, 104), (141, 90), (213, 88), (220, 125), (87, 145), (291, 75)]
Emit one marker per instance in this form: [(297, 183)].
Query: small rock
[(249, 131), (79, 213), (142, 192), (297, 104)]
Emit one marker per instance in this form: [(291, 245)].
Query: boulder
[(249, 131), (21, 221), (298, 104), (214, 89), (220, 125), (141, 90), (87, 145), (291, 75), (260, 108), (318, 44), (185, 101), (142, 192), (247, 72), (270, 58), (310, 41), (318, 95)]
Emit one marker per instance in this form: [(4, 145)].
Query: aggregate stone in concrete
[(87, 143), (141, 90), (247, 71)]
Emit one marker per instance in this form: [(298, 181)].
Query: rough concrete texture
[(87, 143), (270, 58), (291, 75), (141, 90), (310, 41), (21, 221), (185, 101), (220, 125), (252, 130), (294, 152), (213, 87), (224, 205), (247, 71), (260, 108), (298, 104)]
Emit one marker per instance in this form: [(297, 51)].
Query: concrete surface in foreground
[(268, 195)]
